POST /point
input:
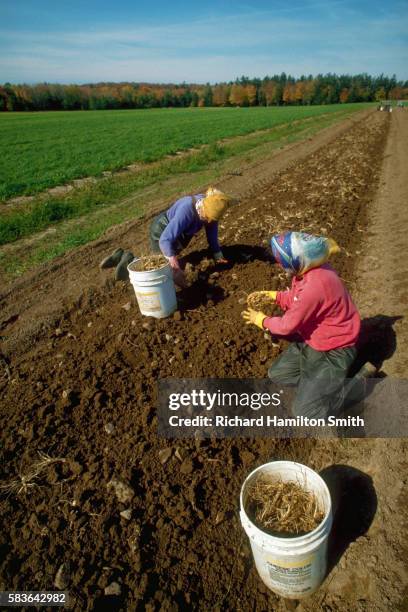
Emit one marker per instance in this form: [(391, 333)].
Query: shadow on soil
[(203, 292), (235, 254), (354, 506), (377, 341)]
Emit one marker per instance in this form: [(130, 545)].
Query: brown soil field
[(78, 382)]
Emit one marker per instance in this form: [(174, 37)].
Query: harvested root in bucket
[(283, 507), (149, 262), (262, 303)]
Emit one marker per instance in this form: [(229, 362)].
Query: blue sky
[(103, 40)]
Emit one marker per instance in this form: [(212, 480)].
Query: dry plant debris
[(27, 480), (283, 507), (260, 302), (149, 262), (191, 273)]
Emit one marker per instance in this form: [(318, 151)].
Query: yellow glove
[(254, 317), (269, 294)]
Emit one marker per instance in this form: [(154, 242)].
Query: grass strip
[(25, 220), (125, 197), (46, 149)]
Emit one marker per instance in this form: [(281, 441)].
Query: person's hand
[(179, 278), (220, 259), (174, 262), (259, 294), (178, 274), (254, 317)]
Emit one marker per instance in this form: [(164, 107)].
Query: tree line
[(277, 90)]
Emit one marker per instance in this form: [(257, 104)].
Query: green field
[(41, 150), (50, 224)]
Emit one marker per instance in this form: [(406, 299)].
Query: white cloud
[(217, 68), (255, 44)]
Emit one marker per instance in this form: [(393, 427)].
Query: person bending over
[(172, 230), (322, 322)]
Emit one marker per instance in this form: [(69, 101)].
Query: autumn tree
[(289, 93), (396, 93), (344, 94), (309, 91), (220, 95), (237, 95), (272, 90), (250, 95)]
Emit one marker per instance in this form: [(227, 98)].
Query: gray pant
[(157, 227), (320, 377)]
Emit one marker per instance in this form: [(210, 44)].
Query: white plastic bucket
[(154, 289), (293, 567)]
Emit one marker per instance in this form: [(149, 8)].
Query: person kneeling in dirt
[(172, 230), (322, 322)]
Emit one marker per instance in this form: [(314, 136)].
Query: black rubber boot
[(122, 271), (112, 260)]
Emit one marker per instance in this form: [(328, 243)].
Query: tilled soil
[(86, 393)]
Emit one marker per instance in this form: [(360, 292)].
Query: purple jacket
[(184, 220)]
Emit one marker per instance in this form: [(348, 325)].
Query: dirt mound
[(86, 393)]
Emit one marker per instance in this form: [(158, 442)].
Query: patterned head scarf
[(301, 252)]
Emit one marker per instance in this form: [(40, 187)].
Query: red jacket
[(319, 308)]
